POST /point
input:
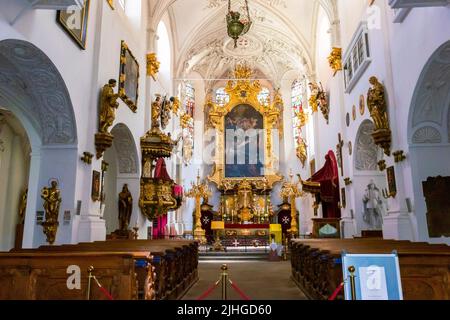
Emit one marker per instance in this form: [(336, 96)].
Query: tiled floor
[(259, 280)]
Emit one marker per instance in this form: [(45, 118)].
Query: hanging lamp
[(237, 25)]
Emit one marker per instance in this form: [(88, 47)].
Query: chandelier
[(238, 23)]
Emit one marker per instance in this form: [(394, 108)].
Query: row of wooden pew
[(424, 268), (126, 269)]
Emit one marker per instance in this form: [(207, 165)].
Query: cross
[(285, 220), (235, 242), (339, 147)]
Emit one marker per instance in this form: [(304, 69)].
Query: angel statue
[(108, 106)]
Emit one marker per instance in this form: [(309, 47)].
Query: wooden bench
[(43, 276), (165, 266), (317, 268)]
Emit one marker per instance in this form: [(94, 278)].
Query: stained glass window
[(297, 107), (190, 100)]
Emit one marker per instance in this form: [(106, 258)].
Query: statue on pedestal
[(125, 208), (108, 106), (373, 207)]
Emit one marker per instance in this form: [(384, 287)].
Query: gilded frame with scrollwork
[(244, 91)]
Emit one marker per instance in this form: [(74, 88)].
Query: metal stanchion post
[(90, 270), (224, 281), (352, 270)]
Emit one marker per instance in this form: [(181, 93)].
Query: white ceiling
[(282, 37)]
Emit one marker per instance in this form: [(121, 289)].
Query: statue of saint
[(125, 208), (108, 106), (373, 207), (156, 112), (23, 207), (165, 113), (376, 102), (313, 100), (52, 201)]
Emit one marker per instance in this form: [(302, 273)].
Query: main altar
[(245, 165)]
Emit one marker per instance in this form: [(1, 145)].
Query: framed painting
[(392, 184), (74, 21), (129, 77), (95, 191)]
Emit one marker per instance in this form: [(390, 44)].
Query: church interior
[(149, 146)]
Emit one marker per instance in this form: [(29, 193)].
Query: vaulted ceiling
[(282, 38)]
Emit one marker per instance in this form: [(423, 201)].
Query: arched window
[(189, 99), (164, 55), (263, 96), (188, 123), (222, 98), (297, 90)]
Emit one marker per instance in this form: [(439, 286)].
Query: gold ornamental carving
[(291, 191), (52, 201), (377, 104), (152, 65), (319, 99), (302, 151), (243, 90), (335, 59), (198, 191)]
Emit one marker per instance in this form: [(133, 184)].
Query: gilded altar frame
[(244, 91)]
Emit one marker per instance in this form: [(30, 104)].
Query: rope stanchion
[(209, 291), (103, 290), (239, 291), (336, 292)]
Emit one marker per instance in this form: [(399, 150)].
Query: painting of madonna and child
[(244, 144)]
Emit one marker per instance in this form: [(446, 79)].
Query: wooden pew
[(43, 276), (317, 268), (173, 264)]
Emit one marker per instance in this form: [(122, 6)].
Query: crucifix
[(339, 147)]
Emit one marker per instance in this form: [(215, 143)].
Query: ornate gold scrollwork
[(242, 90), (152, 65), (335, 59)]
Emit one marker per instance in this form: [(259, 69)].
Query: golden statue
[(108, 106), (377, 105), (376, 102), (125, 208), (156, 111), (302, 151), (52, 201), (23, 207), (165, 113), (313, 100), (335, 59)]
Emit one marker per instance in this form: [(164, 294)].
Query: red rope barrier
[(239, 291), (208, 292), (336, 292), (103, 290)]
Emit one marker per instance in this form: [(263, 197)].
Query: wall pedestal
[(347, 228), (91, 228), (398, 226)]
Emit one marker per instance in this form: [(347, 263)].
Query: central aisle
[(259, 280)]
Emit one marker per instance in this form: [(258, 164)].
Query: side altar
[(245, 163)]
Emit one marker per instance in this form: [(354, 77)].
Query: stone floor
[(259, 280)]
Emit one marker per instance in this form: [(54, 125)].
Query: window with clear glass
[(222, 98), (263, 96)]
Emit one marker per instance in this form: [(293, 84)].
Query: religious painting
[(343, 198), (354, 112), (392, 184), (95, 191), (74, 21), (129, 78), (244, 144), (435, 191)]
